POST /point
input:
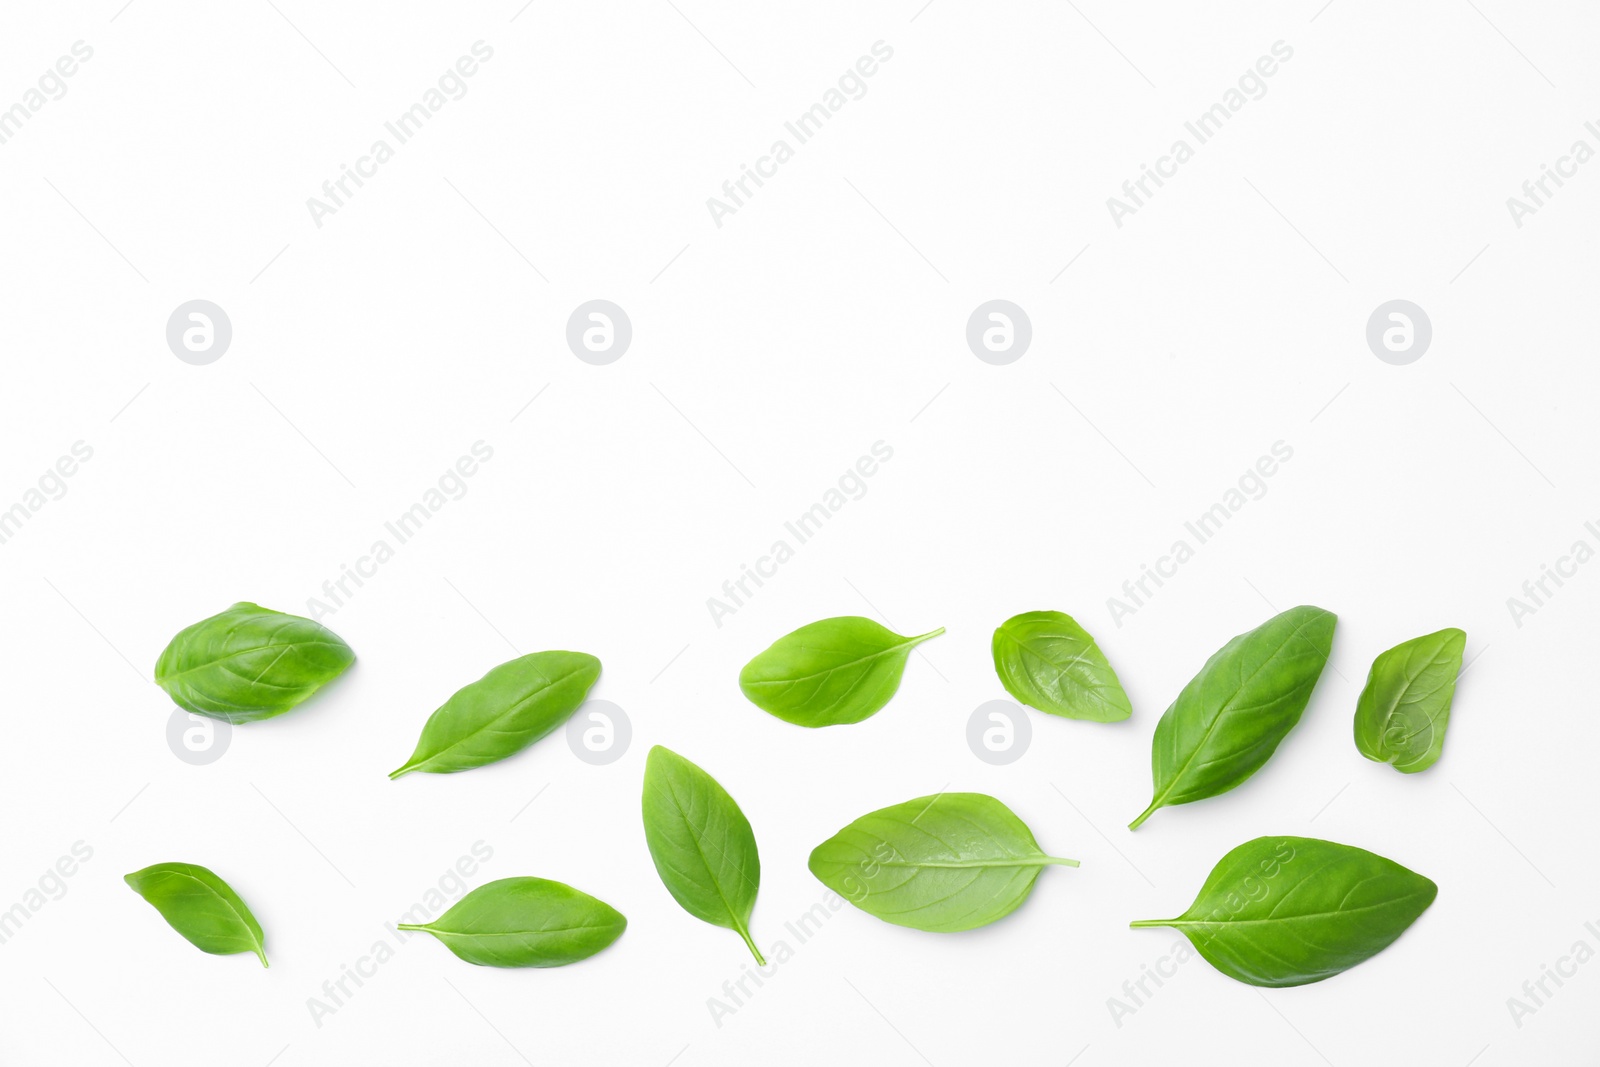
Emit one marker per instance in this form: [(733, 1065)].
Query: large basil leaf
[(525, 922), (1285, 911), (250, 663), (1047, 661), (702, 845), (829, 673), (201, 907), (503, 712), (1231, 716), (1402, 713), (953, 861)]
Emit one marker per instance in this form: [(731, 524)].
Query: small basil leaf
[(201, 907), (829, 673), (1402, 713), (1286, 911), (503, 712), (1047, 661), (1231, 716), (250, 663), (943, 863), (525, 922), (702, 845)]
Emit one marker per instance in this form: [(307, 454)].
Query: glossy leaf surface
[(250, 663), (1286, 911), (1402, 713), (503, 712), (1230, 718), (949, 862), (829, 673), (525, 922), (1047, 661), (201, 907), (702, 844)]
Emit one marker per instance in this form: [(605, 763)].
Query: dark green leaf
[(250, 663), (949, 862), (829, 673), (201, 907), (1229, 719), (1285, 911), (1047, 661), (1403, 711), (525, 922), (702, 845), (503, 712)]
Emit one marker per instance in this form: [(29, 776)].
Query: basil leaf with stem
[(949, 862), (1231, 716), (1287, 911), (1047, 661), (503, 712), (831, 672), (701, 844), (1402, 713), (525, 922), (201, 907), (249, 663)]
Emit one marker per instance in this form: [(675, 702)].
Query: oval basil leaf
[(1402, 713), (525, 922), (250, 663), (201, 907), (1285, 911), (702, 845), (1231, 716), (1047, 661), (943, 863), (829, 673), (503, 712)]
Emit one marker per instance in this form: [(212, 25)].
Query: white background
[(768, 355)]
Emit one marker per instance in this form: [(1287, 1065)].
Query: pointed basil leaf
[(201, 907), (250, 663), (1231, 716), (1285, 911), (1402, 713), (943, 863), (829, 673), (525, 922), (503, 712), (1047, 661), (702, 845)]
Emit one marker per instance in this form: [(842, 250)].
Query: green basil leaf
[(250, 663), (1047, 661), (201, 907), (525, 922), (1285, 911), (1402, 713), (949, 862), (503, 712), (1231, 716), (829, 673), (702, 845)]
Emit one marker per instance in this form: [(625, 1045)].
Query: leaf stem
[(1138, 924), (929, 636), (1060, 861), (1151, 810), (761, 960), (410, 926), (408, 768), (262, 952)]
